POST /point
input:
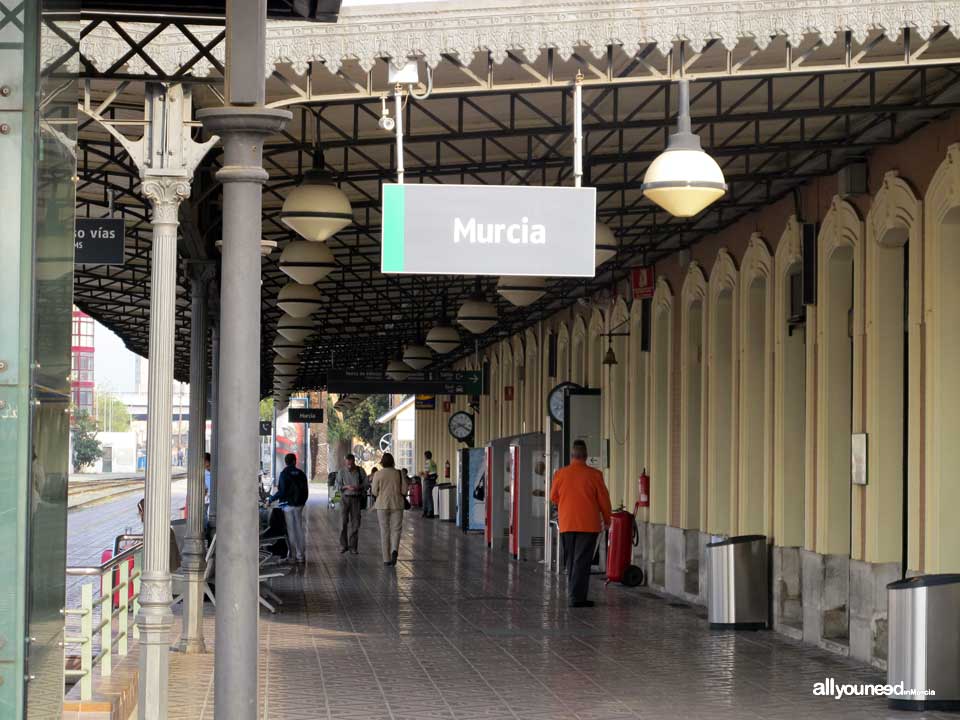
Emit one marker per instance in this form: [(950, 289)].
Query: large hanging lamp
[(298, 300), (307, 262), (476, 314), (683, 179), (521, 291), (295, 329), (316, 208), (417, 355), (606, 244), (398, 370), (286, 368), (287, 349), (443, 338)]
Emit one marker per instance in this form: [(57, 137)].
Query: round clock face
[(461, 425), (555, 400)]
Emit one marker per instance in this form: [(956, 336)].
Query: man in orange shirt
[(583, 509)]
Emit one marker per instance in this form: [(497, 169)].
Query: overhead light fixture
[(317, 208), (307, 262), (417, 355), (683, 179), (443, 338), (476, 314), (287, 349), (606, 244), (398, 370), (521, 291), (295, 329), (299, 300)]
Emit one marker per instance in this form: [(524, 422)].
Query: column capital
[(255, 119), (165, 193)]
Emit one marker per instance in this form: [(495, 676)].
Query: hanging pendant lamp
[(683, 179), (287, 349), (476, 314), (417, 356), (606, 244), (298, 300), (443, 338), (307, 262), (295, 329), (398, 370), (317, 208), (521, 291)]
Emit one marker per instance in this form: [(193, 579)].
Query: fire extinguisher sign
[(643, 282)]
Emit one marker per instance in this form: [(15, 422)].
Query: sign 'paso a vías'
[(489, 230)]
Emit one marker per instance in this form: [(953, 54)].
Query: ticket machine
[(497, 493), (471, 483), (528, 468)]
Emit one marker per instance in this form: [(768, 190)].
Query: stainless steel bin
[(923, 642), (737, 582), (447, 505)]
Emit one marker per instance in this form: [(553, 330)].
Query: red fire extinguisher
[(623, 536), (446, 470), (643, 487)]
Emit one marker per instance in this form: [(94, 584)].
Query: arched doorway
[(615, 391), (839, 331), (722, 379), (790, 370), (942, 391), (660, 394), (894, 253), (692, 389), (532, 407), (755, 511), (637, 394), (578, 352)]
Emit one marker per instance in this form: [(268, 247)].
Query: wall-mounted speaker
[(808, 242), (645, 325), (551, 355)]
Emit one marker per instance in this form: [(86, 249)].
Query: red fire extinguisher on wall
[(643, 489), (446, 470)]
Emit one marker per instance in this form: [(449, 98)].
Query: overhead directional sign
[(489, 230), (98, 241), (467, 382), (305, 415)]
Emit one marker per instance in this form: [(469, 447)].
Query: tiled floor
[(457, 632)]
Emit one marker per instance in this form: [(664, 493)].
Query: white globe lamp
[(298, 300), (307, 262), (683, 179)]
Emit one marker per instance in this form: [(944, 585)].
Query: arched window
[(692, 398), (661, 385)]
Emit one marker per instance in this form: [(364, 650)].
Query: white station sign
[(489, 230)]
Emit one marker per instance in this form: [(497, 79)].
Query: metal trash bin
[(923, 642), (738, 583), (447, 502)]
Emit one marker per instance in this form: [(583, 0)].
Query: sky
[(113, 364)]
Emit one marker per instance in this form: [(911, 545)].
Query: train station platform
[(455, 631)]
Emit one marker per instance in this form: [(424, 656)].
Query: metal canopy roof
[(774, 116)]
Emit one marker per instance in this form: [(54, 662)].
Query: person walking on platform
[(352, 485), (390, 489), (583, 503), (292, 493), (429, 480)]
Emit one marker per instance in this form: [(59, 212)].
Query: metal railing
[(100, 616)]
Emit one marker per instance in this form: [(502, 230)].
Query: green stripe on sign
[(392, 229)]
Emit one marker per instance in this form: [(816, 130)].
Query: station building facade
[(743, 410)]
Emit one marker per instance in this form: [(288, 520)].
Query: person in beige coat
[(390, 489)]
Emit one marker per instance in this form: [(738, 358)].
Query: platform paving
[(457, 632)]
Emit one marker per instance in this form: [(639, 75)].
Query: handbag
[(480, 491)]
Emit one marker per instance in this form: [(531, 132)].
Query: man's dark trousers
[(578, 550), (349, 522)]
